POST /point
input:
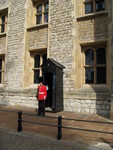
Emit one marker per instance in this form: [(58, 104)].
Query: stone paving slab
[(80, 139)]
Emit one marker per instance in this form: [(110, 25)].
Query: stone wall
[(2, 44), (3, 4), (61, 38), (88, 106), (66, 33), (93, 29), (37, 38), (15, 45)]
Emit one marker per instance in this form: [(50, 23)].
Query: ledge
[(40, 26), (98, 92), (92, 15), (3, 34), (3, 9), (37, 49), (1, 86), (2, 54)]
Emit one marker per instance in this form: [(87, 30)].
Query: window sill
[(39, 26), (3, 34), (95, 88), (1, 86), (31, 87), (92, 15)]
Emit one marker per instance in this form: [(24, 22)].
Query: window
[(95, 65), (1, 69), (2, 23), (94, 6), (39, 59), (42, 13)]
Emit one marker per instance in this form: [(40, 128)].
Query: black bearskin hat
[(41, 79)]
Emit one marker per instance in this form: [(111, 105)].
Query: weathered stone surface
[(67, 30)]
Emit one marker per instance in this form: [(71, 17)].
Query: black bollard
[(19, 121), (59, 135)]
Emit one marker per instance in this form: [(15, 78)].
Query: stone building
[(77, 34)]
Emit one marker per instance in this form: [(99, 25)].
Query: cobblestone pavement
[(34, 136)]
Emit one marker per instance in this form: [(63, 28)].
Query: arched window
[(1, 69), (36, 68), (39, 59), (101, 56), (44, 56), (101, 65), (95, 65), (89, 66), (89, 54)]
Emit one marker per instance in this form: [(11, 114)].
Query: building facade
[(77, 34)]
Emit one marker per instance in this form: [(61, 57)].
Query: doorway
[(49, 83)]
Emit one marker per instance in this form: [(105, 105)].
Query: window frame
[(94, 6), (41, 62), (4, 24), (2, 69), (95, 65), (42, 13)]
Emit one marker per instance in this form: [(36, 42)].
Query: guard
[(41, 95)]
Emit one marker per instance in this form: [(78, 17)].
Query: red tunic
[(42, 92)]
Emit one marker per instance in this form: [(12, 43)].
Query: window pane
[(89, 57), (100, 5), (101, 75), (36, 76), (0, 64), (101, 56), (0, 77), (44, 57), (39, 9), (46, 7), (3, 19), (88, 8), (46, 18), (89, 75), (39, 19), (37, 61), (2, 28)]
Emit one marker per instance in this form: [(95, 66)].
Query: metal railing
[(59, 126), (59, 118), (59, 123)]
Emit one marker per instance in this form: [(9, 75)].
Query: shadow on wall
[(96, 58)]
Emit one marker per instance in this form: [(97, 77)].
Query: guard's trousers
[(41, 107)]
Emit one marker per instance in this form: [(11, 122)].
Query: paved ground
[(34, 136)]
